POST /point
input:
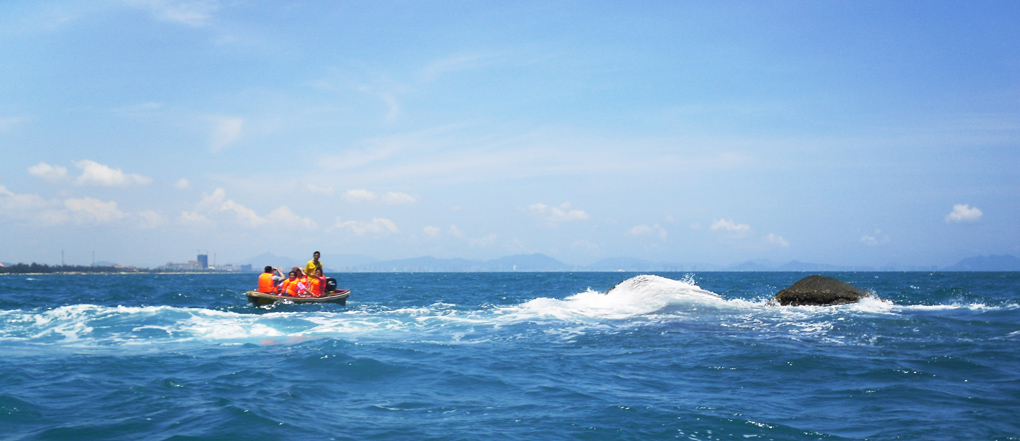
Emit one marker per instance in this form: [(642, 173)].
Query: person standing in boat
[(313, 264), (268, 283)]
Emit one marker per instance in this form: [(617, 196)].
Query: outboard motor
[(330, 284)]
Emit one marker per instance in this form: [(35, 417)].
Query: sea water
[(538, 356)]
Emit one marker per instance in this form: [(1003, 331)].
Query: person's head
[(269, 269), (315, 256), (318, 272), (292, 275)]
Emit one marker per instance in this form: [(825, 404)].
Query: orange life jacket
[(316, 285), (289, 287), (266, 283)]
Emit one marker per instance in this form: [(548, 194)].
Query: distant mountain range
[(989, 263), (541, 263)]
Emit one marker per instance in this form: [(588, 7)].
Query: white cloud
[(193, 218), (376, 226), (397, 198), (149, 219), (455, 63), (244, 214), (964, 213), (773, 239), (643, 229), (18, 204), (283, 216), (183, 184), (393, 198), (392, 104), (32, 208), (191, 13), (94, 173), (455, 230), (482, 241), (876, 239), (388, 97), (431, 231), (51, 173), (141, 108), (226, 131), (328, 191), (729, 226), (359, 195), (557, 215), (7, 123), (217, 203), (92, 211)]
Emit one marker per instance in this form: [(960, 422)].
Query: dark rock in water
[(821, 291)]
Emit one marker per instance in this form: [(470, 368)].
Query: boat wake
[(637, 302)]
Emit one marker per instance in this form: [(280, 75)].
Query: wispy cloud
[(226, 131), (94, 173), (388, 96), (83, 211), (17, 205), (8, 123), (195, 219), (190, 13), (775, 240), (645, 230), (285, 217), (964, 213), (875, 239), (455, 63), (216, 205), (92, 211), (327, 191), (149, 219), (729, 226), (51, 173), (393, 198), (557, 215), (482, 241), (378, 225)]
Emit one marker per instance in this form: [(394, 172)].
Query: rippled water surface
[(510, 356)]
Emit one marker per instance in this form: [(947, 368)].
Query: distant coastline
[(520, 263)]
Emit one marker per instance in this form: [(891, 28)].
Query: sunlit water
[(469, 356)]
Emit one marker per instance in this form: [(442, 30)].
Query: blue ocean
[(486, 356)]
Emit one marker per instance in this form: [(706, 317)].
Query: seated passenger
[(268, 283), (289, 287), (317, 284)]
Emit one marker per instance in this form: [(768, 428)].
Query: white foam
[(640, 301), (634, 297)]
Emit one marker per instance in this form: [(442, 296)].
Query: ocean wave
[(634, 297), (639, 301)]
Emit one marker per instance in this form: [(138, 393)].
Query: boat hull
[(260, 298)]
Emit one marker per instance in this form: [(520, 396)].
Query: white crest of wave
[(637, 296), (132, 325)]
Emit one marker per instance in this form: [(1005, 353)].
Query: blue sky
[(853, 133)]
